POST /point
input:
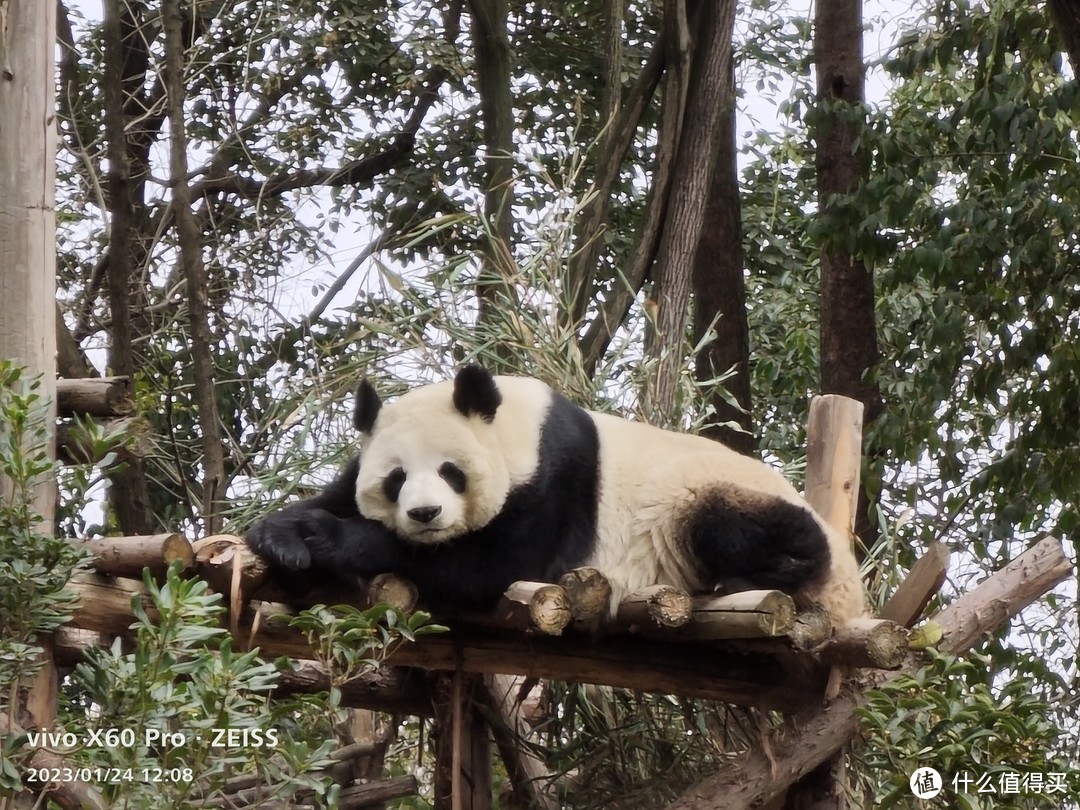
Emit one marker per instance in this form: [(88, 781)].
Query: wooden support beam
[(924, 580), (834, 459), (833, 470), (462, 745), (532, 782)]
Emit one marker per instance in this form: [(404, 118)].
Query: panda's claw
[(286, 538)]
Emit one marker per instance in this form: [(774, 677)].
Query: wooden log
[(215, 557), (95, 396), (533, 784), (812, 629), (833, 459), (393, 590), (1002, 595), (538, 607), (876, 643), (833, 469), (128, 556), (381, 790), (654, 607), (105, 603), (758, 775), (462, 745), (73, 445), (589, 593), (749, 614), (924, 580)]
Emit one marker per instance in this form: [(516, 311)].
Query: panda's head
[(433, 464)]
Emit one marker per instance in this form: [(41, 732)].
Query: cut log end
[(875, 643), (395, 591), (657, 606), (548, 605), (589, 593)]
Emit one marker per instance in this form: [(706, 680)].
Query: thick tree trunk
[(28, 249), (848, 326), (849, 350), (126, 61), (706, 91), (720, 291), (492, 45)]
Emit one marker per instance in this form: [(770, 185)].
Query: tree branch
[(190, 243), (756, 777), (618, 138), (358, 173)]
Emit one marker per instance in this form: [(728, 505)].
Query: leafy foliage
[(946, 717)]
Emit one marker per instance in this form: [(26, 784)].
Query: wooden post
[(28, 240), (462, 745), (833, 462)]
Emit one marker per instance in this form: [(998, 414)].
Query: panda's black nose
[(424, 514)]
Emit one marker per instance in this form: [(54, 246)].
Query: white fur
[(422, 429), (638, 543), (649, 479)]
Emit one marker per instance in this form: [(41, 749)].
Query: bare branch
[(618, 138), (190, 242)]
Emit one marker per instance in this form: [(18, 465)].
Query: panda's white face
[(430, 473)]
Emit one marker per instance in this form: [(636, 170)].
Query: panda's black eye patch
[(453, 475), (391, 485)]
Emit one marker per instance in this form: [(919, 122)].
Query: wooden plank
[(927, 576)]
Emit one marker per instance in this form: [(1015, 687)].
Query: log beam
[(95, 396)]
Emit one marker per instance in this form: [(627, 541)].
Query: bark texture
[(720, 290)]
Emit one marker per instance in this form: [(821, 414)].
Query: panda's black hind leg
[(774, 544)]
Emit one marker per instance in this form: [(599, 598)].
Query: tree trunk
[(28, 248), (849, 350), (126, 61), (720, 291), (198, 305), (848, 327), (492, 46), (706, 91)]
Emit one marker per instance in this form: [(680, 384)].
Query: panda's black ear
[(475, 392), (366, 408)]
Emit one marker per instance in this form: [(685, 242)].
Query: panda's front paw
[(286, 538)]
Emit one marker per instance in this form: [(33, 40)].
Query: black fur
[(772, 544), (475, 392), (546, 527), (367, 406)]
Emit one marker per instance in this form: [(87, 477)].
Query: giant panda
[(468, 485)]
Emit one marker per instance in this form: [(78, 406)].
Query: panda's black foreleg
[(778, 545), (326, 532)]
